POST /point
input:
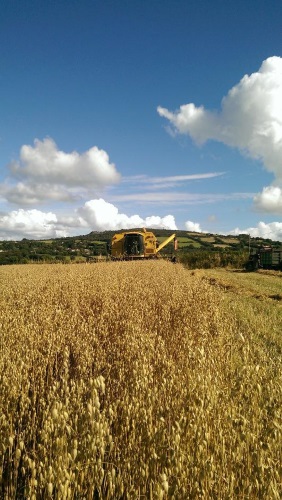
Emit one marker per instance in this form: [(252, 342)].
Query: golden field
[(139, 380)]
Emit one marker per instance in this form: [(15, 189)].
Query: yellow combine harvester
[(138, 245)]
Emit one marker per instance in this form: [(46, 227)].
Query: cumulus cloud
[(31, 193), (250, 118), (100, 215), (94, 215), (43, 172), (193, 226), (269, 200), (44, 162), (31, 224), (272, 231)]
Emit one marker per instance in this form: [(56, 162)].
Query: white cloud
[(100, 215), (30, 193), (46, 173), (154, 222), (45, 163), (250, 118), (166, 197), (193, 226), (269, 200), (272, 231), (29, 224), (94, 215), (196, 122), (168, 181)]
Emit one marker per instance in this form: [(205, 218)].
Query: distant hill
[(192, 239), (192, 246)]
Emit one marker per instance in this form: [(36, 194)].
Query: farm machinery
[(265, 257), (142, 244)]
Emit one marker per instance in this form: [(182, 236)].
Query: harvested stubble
[(135, 380)]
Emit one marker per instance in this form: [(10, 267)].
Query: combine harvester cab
[(133, 245)]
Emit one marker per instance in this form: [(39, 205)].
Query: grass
[(208, 239), (137, 380), (184, 242), (261, 285), (228, 241)]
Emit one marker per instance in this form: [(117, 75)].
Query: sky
[(117, 114)]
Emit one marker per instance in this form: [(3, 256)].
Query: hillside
[(91, 246)]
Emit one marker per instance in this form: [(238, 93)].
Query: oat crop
[(135, 380)]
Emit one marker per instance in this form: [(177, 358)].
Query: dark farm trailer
[(265, 257)]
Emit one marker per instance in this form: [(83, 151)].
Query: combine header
[(138, 245)]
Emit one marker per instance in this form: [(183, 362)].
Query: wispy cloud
[(168, 181), (167, 197)]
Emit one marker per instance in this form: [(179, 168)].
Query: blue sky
[(117, 114)]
